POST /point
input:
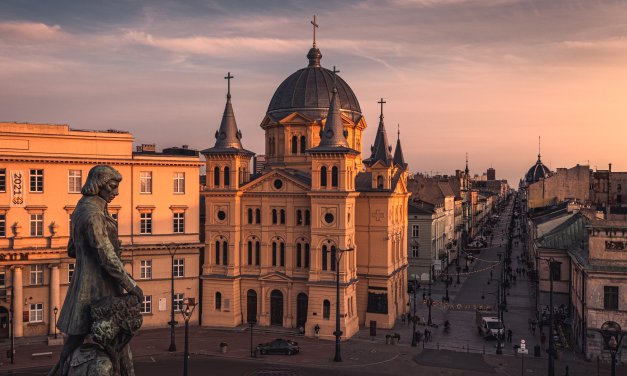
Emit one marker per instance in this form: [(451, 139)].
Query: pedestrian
[(509, 335), (524, 271), (533, 327), (542, 340), (490, 274), (409, 318), (426, 335), (403, 318)]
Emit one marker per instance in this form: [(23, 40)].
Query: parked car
[(279, 346)]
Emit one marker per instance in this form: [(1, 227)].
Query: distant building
[(491, 174), (42, 170)]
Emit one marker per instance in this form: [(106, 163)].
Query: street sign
[(523, 347)]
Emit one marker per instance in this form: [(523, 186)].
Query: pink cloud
[(32, 31)]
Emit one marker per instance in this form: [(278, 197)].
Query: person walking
[(542, 340), (509, 335), (403, 318)]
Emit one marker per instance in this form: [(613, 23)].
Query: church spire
[(539, 150), (466, 170), (228, 136), (381, 150), (398, 152), (333, 134)]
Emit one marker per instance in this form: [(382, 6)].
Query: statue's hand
[(137, 291)]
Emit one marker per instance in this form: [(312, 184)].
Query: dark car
[(279, 346)]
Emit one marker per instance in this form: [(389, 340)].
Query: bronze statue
[(99, 274)]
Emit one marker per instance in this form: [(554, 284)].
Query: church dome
[(536, 172), (308, 91)]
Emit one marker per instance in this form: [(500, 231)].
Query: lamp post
[(414, 343), (338, 333), (190, 305), (448, 282), (612, 336), (251, 324), (11, 321), (55, 310), (172, 248), (429, 300), (551, 350)]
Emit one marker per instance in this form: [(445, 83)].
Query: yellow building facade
[(42, 170), (275, 241)]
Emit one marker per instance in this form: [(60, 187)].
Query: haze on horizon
[(485, 77)]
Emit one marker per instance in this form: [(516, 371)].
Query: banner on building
[(18, 189)]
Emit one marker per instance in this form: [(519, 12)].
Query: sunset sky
[(485, 77)]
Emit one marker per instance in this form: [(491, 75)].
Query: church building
[(276, 241)]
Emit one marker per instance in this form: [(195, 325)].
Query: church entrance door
[(276, 308), (251, 306), (4, 323), (301, 309)]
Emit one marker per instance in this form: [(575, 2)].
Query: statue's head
[(102, 181)]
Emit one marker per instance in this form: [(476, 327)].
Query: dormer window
[(379, 182)]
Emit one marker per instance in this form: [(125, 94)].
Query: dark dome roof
[(308, 91), (536, 172)]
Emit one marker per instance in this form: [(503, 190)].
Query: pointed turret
[(398, 152), (381, 150)]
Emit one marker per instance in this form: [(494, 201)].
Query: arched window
[(307, 255), (299, 217), (227, 176), (257, 253), (217, 253), (282, 248), (326, 310), (294, 144), (307, 218), (325, 257), (274, 217), (299, 255), (225, 253), (303, 144), (334, 176), (282, 216), (323, 176), (250, 252), (380, 182), (216, 176), (218, 301), (333, 260), (273, 253), (258, 216), (250, 216)]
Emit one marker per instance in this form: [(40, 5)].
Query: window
[(258, 216), (179, 182), (145, 223), (217, 252), (37, 225), (75, 181), (218, 301), (145, 269), (333, 260), (2, 279), (250, 252), (179, 268), (225, 253), (3, 225), (323, 176), (556, 271), (36, 312), (307, 255), (178, 301), (274, 217), (274, 245), (257, 253), (325, 257), (36, 274), (3, 180), (326, 309), (146, 306), (610, 297), (113, 215), (36, 180), (303, 144), (179, 223), (299, 217), (216, 176), (334, 176), (227, 177), (282, 253), (145, 182), (415, 231), (380, 182), (299, 250), (307, 218), (70, 271), (250, 216), (414, 251), (294, 144), (282, 216)]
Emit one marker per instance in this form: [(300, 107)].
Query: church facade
[(276, 242)]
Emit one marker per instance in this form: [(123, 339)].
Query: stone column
[(54, 295), (18, 302)]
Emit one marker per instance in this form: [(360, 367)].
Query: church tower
[(227, 164), (334, 165)]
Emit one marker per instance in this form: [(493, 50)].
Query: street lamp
[(429, 300), (551, 350), (251, 324), (459, 269), (612, 336), (448, 282), (414, 342), (55, 310), (172, 248), (187, 312), (338, 333)]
